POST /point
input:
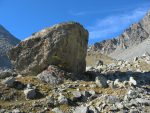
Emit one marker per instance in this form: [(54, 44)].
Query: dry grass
[(43, 87), (64, 108), (23, 103), (144, 66), (91, 58)]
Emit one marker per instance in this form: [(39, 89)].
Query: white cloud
[(114, 24), (83, 13), (113, 10)]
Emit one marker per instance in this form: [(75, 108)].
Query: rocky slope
[(110, 86), (120, 47), (115, 87), (7, 41)]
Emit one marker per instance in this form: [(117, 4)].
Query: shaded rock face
[(63, 45), (133, 36), (7, 41)]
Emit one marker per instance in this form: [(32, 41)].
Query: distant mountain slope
[(93, 57), (7, 41), (132, 41), (138, 50)]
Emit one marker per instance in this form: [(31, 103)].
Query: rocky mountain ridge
[(133, 36), (7, 41)]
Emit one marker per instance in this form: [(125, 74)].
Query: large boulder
[(63, 45)]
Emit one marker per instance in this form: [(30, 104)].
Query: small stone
[(135, 59), (62, 99), (57, 110), (43, 110), (120, 63), (84, 85), (119, 105), (92, 109), (112, 99), (9, 81), (132, 81), (101, 82), (138, 70), (92, 85), (132, 94), (76, 94), (78, 89), (16, 111), (29, 86), (19, 85), (146, 55), (143, 101), (125, 83), (2, 110), (90, 68), (126, 98), (99, 63), (30, 93), (134, 111), (92, 92), (85, 93), (113, 108), (35, 104), (99, 68), (81, 109), (50, 101), (111, 84), (132, 103), (117, 83), (19, 76)]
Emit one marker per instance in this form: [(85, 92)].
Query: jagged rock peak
[(135, 35)]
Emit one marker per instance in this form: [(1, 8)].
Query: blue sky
[(103, 18)]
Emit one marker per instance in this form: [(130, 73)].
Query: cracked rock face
[(63, 45)]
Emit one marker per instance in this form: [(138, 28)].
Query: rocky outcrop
[(63, 45), (53, 75), (119, 47), (145, 22), (7, 41)]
